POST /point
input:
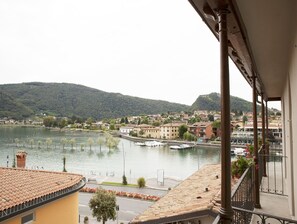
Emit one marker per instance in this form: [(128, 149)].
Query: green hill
[(212, 101), (63, 99), (9, 107)]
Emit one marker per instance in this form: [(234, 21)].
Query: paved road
[(128, 208)]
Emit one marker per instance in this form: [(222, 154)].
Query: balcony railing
[(271, 178), (258, 217), (242, 196)]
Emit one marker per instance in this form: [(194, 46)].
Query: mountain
[(212, 101), (9, 107), (66, 100)]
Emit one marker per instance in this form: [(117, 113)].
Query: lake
[(45, 151)]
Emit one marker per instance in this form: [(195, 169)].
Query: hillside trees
[(181, 130)]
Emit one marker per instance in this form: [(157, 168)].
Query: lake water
[(140, 161)]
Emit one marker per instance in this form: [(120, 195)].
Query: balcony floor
[(274, 204)]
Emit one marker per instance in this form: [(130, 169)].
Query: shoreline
[(118, 134)]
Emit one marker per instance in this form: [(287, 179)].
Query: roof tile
[(20, 185)]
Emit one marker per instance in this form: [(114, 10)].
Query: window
[(27, 219)]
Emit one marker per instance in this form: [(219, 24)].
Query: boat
[(181, 146), (153, 143), (140, 143), (239, 151), (175, 147)]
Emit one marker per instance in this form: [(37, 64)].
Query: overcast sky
[(155, 49)]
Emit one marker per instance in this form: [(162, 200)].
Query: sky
[(154, 49)]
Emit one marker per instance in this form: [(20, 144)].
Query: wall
[(62, 211), (289, 106)]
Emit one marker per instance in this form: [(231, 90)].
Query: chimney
[(21, 159)]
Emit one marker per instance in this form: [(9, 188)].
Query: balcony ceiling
[(261, 35)]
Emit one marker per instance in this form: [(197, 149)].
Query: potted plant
[(239, 166)]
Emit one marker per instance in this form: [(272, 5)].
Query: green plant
[(86, 220), (103, 205), (64, 164), (124, 180), (239, 166), (141, 182)]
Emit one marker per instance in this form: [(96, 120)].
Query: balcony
[(273, 196)]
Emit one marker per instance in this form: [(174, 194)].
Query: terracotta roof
[(189, 197), (18, 186)]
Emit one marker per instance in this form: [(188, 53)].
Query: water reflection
[(47, 148)]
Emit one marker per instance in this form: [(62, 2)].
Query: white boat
[(140, 143), (240, 151), (185, 146), (181, 146), (153, 143), (174, 147)]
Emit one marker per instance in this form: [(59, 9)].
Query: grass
[(118, 184)]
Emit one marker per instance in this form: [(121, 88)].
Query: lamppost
[(117, 210), (124, 161)]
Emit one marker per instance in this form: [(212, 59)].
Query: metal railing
[(273, 179), (242, 196), (259, 217)]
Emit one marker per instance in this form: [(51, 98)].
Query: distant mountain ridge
[(212, 101), (24, 100), (63, 99)]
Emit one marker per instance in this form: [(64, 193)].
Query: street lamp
[(117, 210)]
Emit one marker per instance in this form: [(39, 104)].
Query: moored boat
[(153, 143)]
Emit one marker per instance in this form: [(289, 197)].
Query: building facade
[(170, 130)]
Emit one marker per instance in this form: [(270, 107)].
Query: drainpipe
[(256, 156), (226, 212), (263, 136)]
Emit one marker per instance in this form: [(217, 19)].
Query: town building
[(202, 130), (170, 130)]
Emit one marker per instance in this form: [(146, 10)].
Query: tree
[(103, 205), (48, 142), (189, 137), (62, 123), (39, 144), (100, 142), (63, 142), (72, 142), (110, 141), (31, 142), (48, 121), (210, 117), (90, 142), (244, 119), (122, 120), (64, 164), (124, 182), (181, 130), (216, 124)]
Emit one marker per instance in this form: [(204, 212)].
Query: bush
[(240, 165), (141, 182), (124, 180), (86, 220)]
